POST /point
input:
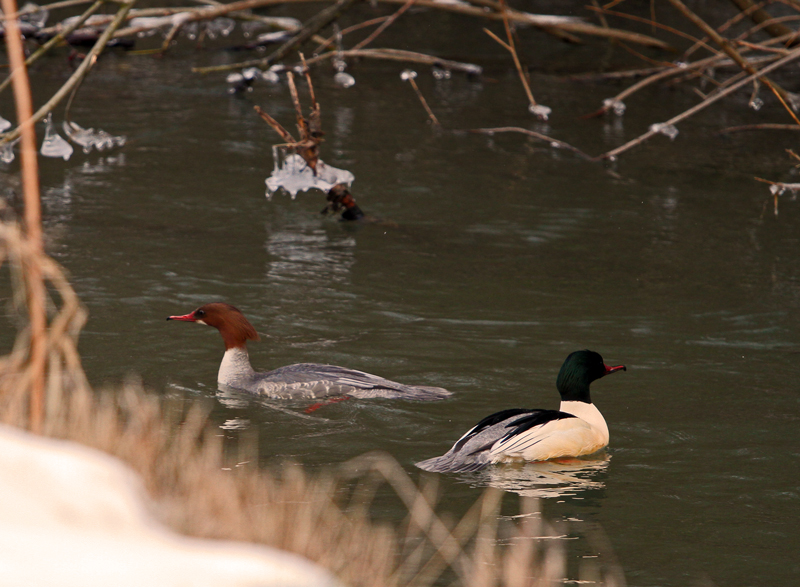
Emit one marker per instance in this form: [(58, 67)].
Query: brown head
[(231, 323)]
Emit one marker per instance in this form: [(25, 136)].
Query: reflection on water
[(547, 479), (309, 257)]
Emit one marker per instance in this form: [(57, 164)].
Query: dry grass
[(324, 517)]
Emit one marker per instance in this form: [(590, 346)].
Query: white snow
[(72, 516)]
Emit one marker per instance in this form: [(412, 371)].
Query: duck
[(577, 428), (300, 381)]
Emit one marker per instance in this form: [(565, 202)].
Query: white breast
[(235, 367)]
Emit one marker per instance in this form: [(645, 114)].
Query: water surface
[(497, 258)]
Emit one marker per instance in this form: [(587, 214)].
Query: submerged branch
[(405, 56), (516, 129)]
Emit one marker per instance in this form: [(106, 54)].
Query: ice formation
[(54, 145), (294, 175), (668, 130), (617, 106), (540, 111), (89, 138)]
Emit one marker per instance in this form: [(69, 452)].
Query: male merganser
[(576, 428), (304, 380)]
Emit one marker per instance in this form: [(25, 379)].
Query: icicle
[(53, 145)]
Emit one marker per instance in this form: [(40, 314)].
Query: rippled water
[(496, 257)]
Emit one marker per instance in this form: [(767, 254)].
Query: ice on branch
[(616, 106), (540, 111), (668, 130), (292, 174)]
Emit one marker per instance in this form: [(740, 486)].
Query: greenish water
[(498, 256)]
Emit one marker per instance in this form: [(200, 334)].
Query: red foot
[(315, 407)]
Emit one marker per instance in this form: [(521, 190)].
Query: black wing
[(489, 421), (536, 418)]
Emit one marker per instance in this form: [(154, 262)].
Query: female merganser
[(576, 428), (304, 380)]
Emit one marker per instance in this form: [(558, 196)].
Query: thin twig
[(697, 108), (667, 28), (276, 126), (522, 77), (33, 9), (367, 23), (384, 26), (432, 116), (726, 46), (761, 16), (553, 142), (766, 126), (405, 56)]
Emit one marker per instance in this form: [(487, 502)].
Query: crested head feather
[(235, 329)]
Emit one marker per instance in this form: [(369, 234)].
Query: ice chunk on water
[(669, 130), (440, 72), (251, 73), (89, 138), (53, 145), (294, 175), (408, 74), (344, 80), (7, 152), (221, 26), (617, 106), (540, 111), (4, 124), (271, 75)]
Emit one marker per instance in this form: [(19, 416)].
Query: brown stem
[(33, 216), (759, 16), (385, 25), (424, 102), (402, 55), (276, 126)]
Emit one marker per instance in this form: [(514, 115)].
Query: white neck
[(235, 366), (590, 414)]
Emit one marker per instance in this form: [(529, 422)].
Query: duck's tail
[(455, 462)]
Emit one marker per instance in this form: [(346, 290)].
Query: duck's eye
[(200, 313)]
